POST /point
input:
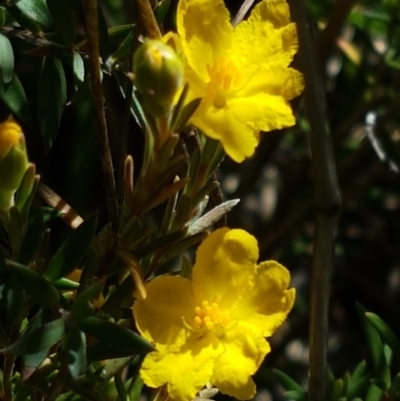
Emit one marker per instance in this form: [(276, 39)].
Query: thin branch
[(92, 33), (370, 125), (149, 21), (126, 113), (244, 8), (327, 202)]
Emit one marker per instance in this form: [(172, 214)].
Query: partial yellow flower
[(211, 329), (241, 73), (13, 161)]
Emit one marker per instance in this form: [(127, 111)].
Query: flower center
[(224, 78), (209, 317)]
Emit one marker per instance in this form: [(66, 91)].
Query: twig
[(370, 125), (126, 114), (149, 21), (92, 33), (327, 203), (246, 5)]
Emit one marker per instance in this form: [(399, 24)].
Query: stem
[(91, 17), (149, 21), (327, 203), (126, 114)]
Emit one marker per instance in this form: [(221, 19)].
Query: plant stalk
[(92, 33), (327, 201)]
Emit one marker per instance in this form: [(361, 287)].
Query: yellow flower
[(13, 161), (241, 73), (212, 329)]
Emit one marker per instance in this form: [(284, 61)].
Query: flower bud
[(13, 161), (159, 75)]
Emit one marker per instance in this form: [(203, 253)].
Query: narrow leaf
[(31, 241), (115, 335), (385, 333), (52, 98), (78, 67), (37, 286), (15, 99), (61, 12), (38, 339), (75, 347), (73, 250), (6, 59)]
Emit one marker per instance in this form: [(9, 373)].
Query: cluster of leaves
[(66, 328), (375, 381)]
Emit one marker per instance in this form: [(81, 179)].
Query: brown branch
[(92, 33), (327, 203), (149, 21)]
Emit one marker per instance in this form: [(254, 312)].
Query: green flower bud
[(159, 73), (13, 161)]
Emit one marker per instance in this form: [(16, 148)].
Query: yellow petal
[(205, 31), (269, 301), (270, 33), (262, 112), (237, 138), (186, 372), (245, 349), (225, 263), (169, 298), (276, 80)]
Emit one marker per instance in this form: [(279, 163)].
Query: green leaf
[(73, 250), (374, 393), (101, 352), (24, 20), (120, 33), (358, 388), (359, 372), (6, 59), (32, 361), (287, 382), (15, 99), (31, 241), (38, 339), (62, 15), (184, 244), (66, 284), (82, 306), (135, 390), (124, 48), (296, 395), (385, 333), (52, 98), (15, 300), (74, 345), (78, 67), (120, 386), (116, 299), (36, 10), (104, 40), (161, 9), (115, 365), (158, 243), (373, 339), (115, 335), (37, 286)]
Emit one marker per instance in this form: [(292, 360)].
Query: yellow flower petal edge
[(233, 69), (212, 329)]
